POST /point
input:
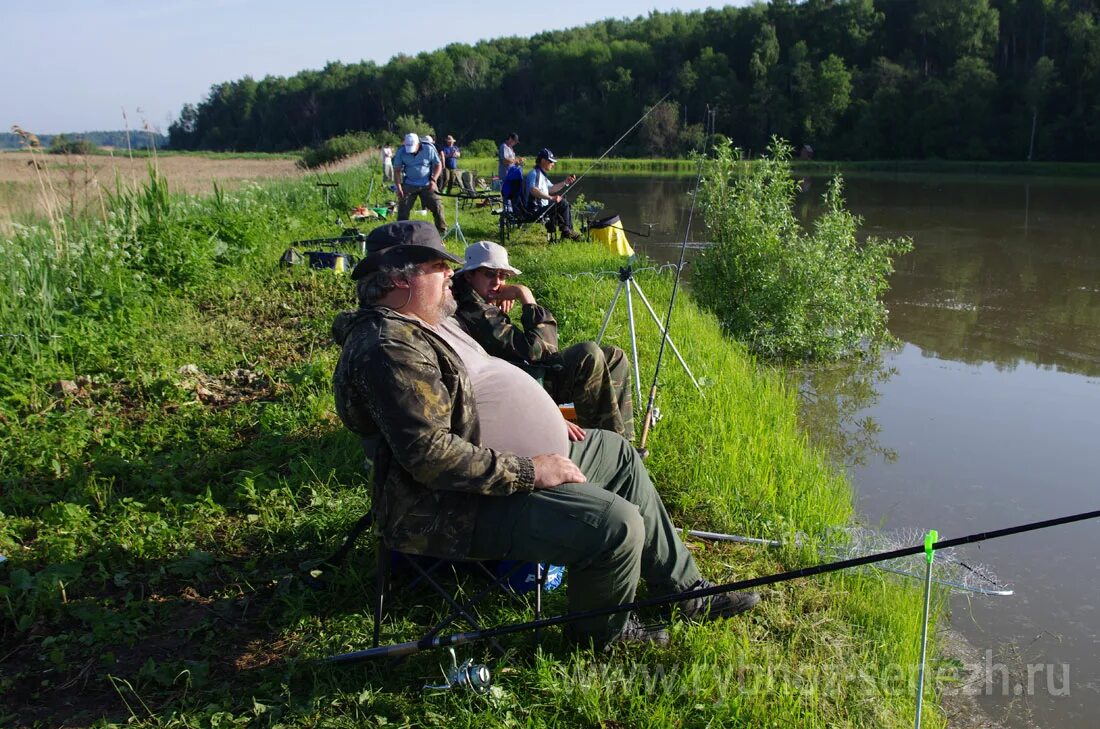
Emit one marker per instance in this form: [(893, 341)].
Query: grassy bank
[(171, 458)]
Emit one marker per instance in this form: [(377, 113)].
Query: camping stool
[(468, 194), (426, 567)]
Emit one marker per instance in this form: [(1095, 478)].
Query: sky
[(81, 65)]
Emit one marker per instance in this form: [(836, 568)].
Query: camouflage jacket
[(399, 383), (493, 330)]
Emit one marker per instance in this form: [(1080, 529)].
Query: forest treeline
[(856, 79)]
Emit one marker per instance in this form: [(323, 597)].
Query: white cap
[(411, 140), (487, 254), (427, 139)]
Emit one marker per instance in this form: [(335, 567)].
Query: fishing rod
[(616, 144), (650, 408), (997, 589), (576, 181), (410, 647)]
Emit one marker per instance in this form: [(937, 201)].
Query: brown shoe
[(571, 234)]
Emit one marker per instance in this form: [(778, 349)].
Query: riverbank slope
[(173, 461)]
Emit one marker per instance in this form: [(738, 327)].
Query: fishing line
[(616, 144), (408, 648)]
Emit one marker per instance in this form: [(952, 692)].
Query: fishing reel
[(473, 676)]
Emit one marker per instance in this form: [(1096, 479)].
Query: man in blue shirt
[(416, 170), (544, 200), (451, 153)]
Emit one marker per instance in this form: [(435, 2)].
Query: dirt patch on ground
[(81, 693), (80, 181)]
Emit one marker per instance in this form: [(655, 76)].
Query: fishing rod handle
[(647, 422)]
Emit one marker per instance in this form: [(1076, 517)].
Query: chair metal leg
[(540, 583)]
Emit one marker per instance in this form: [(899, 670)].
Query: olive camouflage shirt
[(399, 383), (492, 329)]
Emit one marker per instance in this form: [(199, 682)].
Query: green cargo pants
[(428, 198), (609, 532), (596, 379)]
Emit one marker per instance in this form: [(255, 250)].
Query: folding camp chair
[(513, 217), (468, 193), (429, 571)]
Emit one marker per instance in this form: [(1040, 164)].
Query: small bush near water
[(787, 292)]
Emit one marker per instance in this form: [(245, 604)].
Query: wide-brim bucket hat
[(406, 241), (487, 254)]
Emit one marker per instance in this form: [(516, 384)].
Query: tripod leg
[(456, 229), (610, 309), (633, 341), (661, 327)]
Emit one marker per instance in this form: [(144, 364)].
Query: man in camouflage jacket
[(438, 490), (596, 379)]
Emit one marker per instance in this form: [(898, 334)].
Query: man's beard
[(445, 309), (449, 306)]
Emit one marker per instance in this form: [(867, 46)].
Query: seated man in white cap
[(544, 200), (595, 379), (416, 170)]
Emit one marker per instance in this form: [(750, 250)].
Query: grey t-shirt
[(516, 414)]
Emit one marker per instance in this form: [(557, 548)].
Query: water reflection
[(987, 415), (835, 400)]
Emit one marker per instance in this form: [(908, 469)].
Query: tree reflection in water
[(832, 398)]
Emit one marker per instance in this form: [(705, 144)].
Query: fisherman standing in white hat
[(417, 167)]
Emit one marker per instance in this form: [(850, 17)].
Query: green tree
[(951, 29), (660, 131), (413, 123), (1043, 78)]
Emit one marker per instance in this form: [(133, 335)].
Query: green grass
[(654, 167), (157, 509)]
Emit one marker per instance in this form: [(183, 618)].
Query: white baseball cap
[(487, 254), (411, 140)]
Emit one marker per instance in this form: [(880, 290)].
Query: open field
[(81, 181)]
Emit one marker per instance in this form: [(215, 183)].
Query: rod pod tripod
[(628, 283), (456, 229)]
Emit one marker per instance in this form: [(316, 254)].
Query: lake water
[(987, 416)]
